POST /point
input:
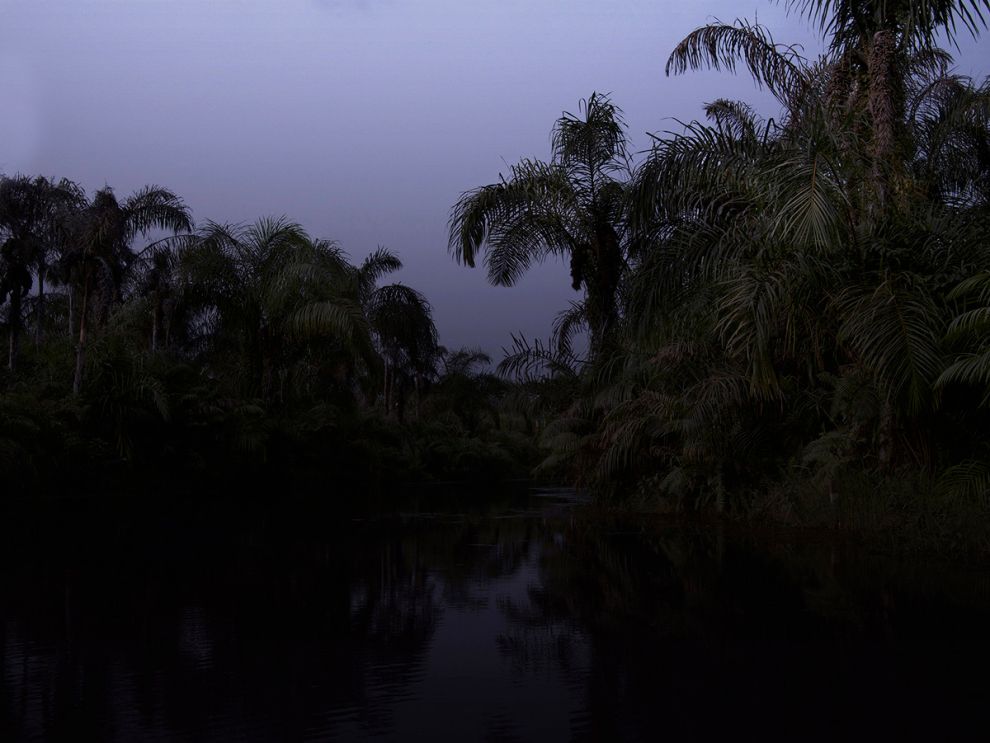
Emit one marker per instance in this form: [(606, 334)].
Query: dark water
[(526, 617)]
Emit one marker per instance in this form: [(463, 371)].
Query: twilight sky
[(361, 119)]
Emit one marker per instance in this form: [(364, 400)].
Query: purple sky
[(361, 119)]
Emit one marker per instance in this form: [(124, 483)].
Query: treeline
[(138, 342), (788, 316)]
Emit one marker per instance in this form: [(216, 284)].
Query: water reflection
[(510, 619)]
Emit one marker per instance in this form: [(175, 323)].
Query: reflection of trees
[(535, 644), (254, 625), (482, 539), (276, 628), (694, 632), (250, 632)]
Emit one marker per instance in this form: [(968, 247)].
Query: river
[(523, 616)]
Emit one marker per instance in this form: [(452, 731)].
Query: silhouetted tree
[(572, 206), (34, 213), (101, 252)]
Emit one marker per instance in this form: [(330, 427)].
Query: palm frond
[(976, 287), (567, 325), (377, 265), (919, 20), (594, 141), (970, 369), (325, 318), (533, 361), (521, 219), (723, 46), (813, 206), (155, 207), (895, 330), (464, 361), (967, 480), (401, 319), (971, 322), (737, 117)]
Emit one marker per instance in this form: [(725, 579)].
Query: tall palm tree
[(874, 48), (572, 206), (795, 273), (401, 322), (157, 281), (917, 22), (102, 252), (808, 182), (33, 217)]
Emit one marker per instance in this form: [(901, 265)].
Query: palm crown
[(572, 206)]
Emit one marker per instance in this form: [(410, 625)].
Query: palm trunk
[(15, 328), (39, 315), (720, 493), (267, 364), (884, 101), (385, 390), (81, 345), (416, 385), (12, 351), (267, 377), (603, 284), (887, 437), (154, 328)]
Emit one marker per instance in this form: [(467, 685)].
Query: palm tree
[(97, 261), (916, 23), (466, 389), (263, 294), (947, 121), (33, 217), (791, 275), (572, 206), (400, 319), (801, 231), (875, 48), (158, 282)]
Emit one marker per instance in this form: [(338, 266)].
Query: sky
[(363, 120)]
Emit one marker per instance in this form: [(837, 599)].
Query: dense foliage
[(785, 316), (800, 319), (223, 351)]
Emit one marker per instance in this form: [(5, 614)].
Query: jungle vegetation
[(789, 316), (140, 343), (785, 316)]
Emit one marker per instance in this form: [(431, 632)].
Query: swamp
[(256, 487)]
